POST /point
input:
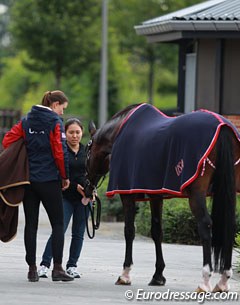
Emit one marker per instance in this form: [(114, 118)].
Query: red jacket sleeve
[(59, 149), (14, 134)]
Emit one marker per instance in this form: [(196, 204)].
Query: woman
[(72, 197), (44, 136)]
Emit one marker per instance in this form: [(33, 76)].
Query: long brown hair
[(54, 96)]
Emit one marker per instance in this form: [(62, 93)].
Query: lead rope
[(95, 224)]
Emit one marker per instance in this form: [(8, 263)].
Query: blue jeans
[(76, 210)]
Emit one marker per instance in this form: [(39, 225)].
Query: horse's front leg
[(129, 209), (156, 232)]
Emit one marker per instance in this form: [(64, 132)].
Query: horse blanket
[(14, 175), (157, 154)]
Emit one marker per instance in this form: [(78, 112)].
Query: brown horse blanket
[(157, 154), (14, 175)]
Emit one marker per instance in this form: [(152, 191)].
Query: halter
[(99, 177)]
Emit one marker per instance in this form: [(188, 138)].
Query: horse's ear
[(92, 128)]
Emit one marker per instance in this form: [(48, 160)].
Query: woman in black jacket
[(72, 197)]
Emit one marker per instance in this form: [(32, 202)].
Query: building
[(208, 36)]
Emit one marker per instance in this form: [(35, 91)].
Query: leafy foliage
[(237, 240), (111, 208), (62, 41), (58, 35), (179, 225), (124, 16), (15, 82)]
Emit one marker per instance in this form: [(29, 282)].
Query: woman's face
[(74, 134), (59, 108)]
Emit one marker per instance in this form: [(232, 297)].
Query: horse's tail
[(224, 202)]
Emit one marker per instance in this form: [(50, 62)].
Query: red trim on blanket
[(142, 191), (129, 115), (208, 151), (220, 120), (163, 114)]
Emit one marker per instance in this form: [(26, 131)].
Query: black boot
[(58, 274), (32, 274)]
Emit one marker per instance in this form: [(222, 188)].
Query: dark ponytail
[(54, 96)]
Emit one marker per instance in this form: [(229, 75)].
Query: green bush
[(143, 219), (237, 240), (238, 215), (179, 225), (111, 208)]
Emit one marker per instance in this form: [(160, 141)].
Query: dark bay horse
[(216, 174)]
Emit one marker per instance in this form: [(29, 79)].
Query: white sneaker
[(42, 272), (72, 271)]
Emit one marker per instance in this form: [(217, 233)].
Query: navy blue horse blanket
[(157, 154)]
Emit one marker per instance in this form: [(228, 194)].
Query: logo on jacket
[(35, 132), (179, 167)]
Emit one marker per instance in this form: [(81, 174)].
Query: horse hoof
[(155, 282), (218, 289), (121, 281), (200, 290)]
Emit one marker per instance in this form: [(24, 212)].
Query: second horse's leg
[(129, 209)]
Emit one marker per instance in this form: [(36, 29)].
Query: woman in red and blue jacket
[(44, 136)]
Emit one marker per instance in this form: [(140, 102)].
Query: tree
[(126, 14), (59, 36), (5, 46)]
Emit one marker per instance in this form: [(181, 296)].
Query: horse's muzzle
[(88, 189)]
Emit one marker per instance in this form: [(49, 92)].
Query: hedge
[(179, 225)]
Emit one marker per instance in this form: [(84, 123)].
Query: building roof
[(215, 16)]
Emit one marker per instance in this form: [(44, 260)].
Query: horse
[(216, 175)]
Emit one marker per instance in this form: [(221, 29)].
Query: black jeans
[(50, 194)]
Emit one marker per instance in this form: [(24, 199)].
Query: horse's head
[(99, 149), (97, 160)]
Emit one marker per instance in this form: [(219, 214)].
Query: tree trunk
[(58, 76), (57, 81)]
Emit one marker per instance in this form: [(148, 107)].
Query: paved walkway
[(100, 264)]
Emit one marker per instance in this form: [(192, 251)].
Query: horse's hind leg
[(129, 209), (156, 231), (197, 201), (223, 284)]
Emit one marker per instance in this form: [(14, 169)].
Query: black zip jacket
[(76, 173)]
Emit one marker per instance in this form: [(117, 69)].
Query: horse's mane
[(124, 111), (110, 125)]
